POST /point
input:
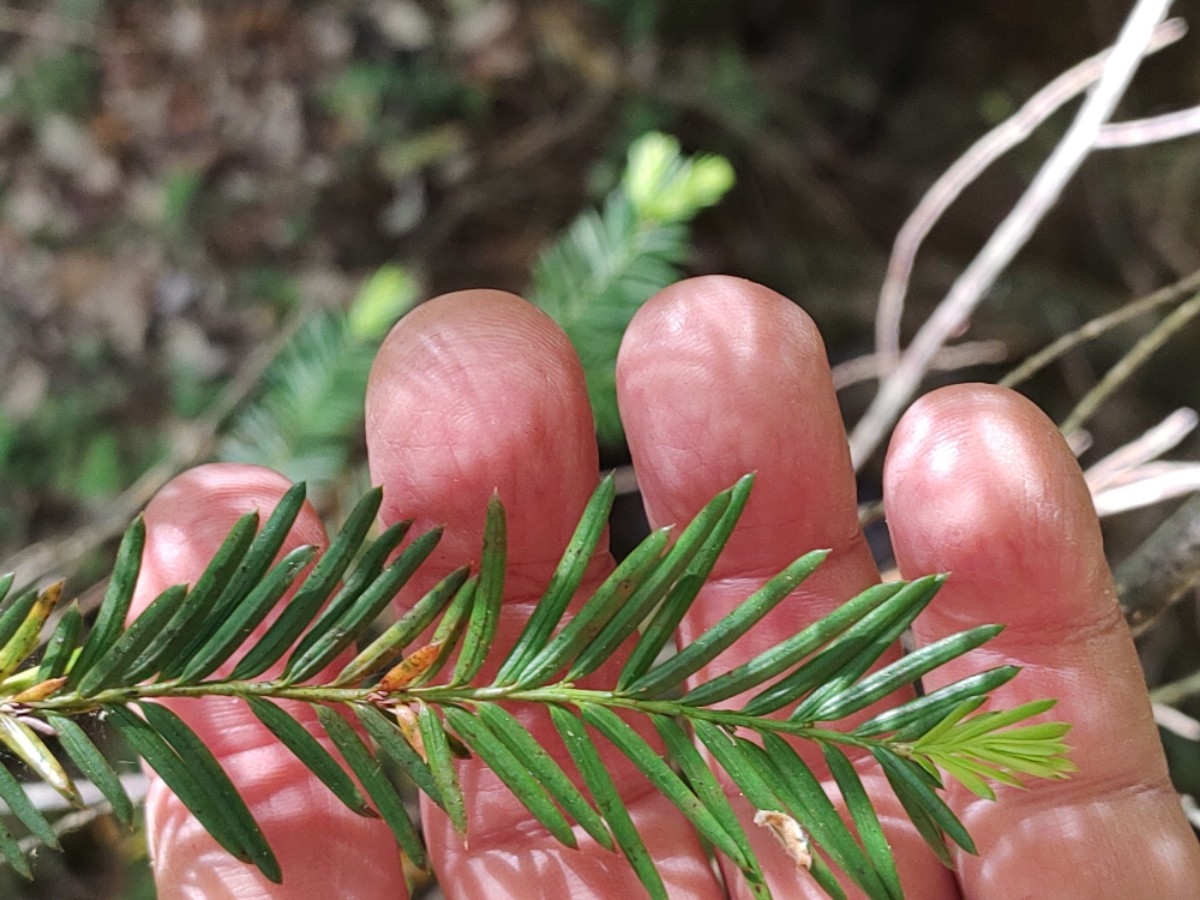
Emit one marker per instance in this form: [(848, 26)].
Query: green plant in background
[(420, 711), (63, 83), (304, 422), (377, 102), (609, 262), (591, 280), (69, 447)]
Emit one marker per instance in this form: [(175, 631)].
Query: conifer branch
[(421, 712)]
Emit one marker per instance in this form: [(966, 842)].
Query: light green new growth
[(664, 186), (420, 713), (607, 263)]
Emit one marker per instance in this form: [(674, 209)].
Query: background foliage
[(185, 187)]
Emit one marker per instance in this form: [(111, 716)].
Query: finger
[(324, 850), (980, 484), (479, 392), (718, 377)]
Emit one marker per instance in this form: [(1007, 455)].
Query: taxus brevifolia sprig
[(416, 691)]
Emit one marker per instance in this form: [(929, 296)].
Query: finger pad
[(478, 392), (718, 377), (980, 484)]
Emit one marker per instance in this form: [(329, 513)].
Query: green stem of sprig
[(446, 695)]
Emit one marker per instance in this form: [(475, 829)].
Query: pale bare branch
[(1098, 326), (949, 359), (1152, 130), (1008, 134), (1135, 358), (1147, 485), (1156, 441), (1177, 722), (954, 312)]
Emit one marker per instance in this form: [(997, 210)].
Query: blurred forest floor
[(179, 181)]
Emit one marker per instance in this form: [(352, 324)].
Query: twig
[(625, 481), (1146, 346), (1130, 478), (46, 799), (1191, 810), (1179, 723), (870, 513), (1098, 326), (948, 359), (1147, 485), (1162, 569), (1153, 130), (775, 154), (1176, 692), (1118, 465), (1008, 134), (521, 153), (1012, 234)]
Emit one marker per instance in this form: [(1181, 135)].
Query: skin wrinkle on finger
[(437, 381), (542, 863), (986, 466), (300, 817)]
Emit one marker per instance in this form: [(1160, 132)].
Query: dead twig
[(1176, 722), (191, 442), (1176, 692), (948, 359), (953, 313), (1116, 468), (773, 153), (1100, 325), (1137, 355), (94, 806), (497, 183), (1008, 134), (1149, 484), (1152, 130), (1132, 476)]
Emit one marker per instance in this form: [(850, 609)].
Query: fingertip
[(690, 311), (186, 523), (717, 377), (980, 483), (474, 393)]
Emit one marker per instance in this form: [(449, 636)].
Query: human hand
[(717, 377)]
